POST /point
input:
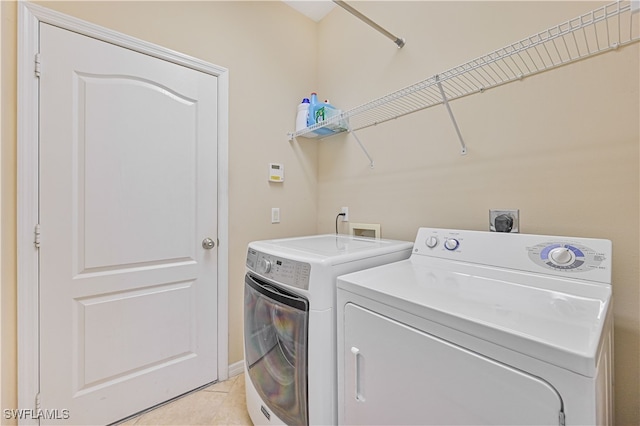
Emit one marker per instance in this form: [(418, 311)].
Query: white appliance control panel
[(278, 269), (586, 258)]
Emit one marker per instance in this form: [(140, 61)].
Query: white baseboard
[(236, 368)]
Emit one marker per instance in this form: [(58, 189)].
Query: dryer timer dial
[(562, 256)]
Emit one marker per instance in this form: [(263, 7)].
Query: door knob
[(208, 244)]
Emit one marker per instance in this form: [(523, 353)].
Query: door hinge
[(38, 407), (37, 62), (36, 236), (561, 418)]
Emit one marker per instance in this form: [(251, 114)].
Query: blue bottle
[(313, 106), (316, 115)]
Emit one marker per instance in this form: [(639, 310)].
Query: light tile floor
[(219, 404)]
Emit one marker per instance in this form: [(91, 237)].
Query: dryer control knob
[(451, 244), (561, 256), (264, 266), (431, 241)]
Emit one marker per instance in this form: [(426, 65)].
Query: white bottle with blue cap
[(303, 114)]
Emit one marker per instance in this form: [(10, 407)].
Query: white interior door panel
[(141, 171), (128, 178)]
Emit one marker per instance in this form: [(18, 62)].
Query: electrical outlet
[(345, 210), (275, 215), (506, 220)]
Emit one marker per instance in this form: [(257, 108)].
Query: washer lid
[(559, 321), (322, 247)]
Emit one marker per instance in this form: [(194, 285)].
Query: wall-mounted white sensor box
[(276, 172)]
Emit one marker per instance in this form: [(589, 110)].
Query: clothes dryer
[(290, 325), (479, 328)]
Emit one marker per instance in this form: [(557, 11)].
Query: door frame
[(29, 18)]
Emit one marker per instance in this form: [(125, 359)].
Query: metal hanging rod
[(399, 41)]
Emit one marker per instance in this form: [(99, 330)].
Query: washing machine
[(479, 328), (290, 322)]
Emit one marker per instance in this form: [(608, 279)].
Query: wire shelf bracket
[(601, 30), (371, 163), (445, 101)]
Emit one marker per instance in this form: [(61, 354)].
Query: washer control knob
[(264, 266), (561, 256), (431, 241), (451, 244)]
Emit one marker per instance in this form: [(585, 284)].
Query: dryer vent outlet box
[(370, 230), (504, 220)]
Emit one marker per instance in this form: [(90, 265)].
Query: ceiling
[(314, 9)]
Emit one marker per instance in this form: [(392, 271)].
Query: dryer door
[(395, 374)]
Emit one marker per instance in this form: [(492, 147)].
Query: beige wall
[(578, 125), (561, 146)]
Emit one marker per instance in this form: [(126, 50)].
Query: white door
[(398, 375), (128, 294)]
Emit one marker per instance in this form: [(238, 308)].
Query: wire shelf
[(603, 29)]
